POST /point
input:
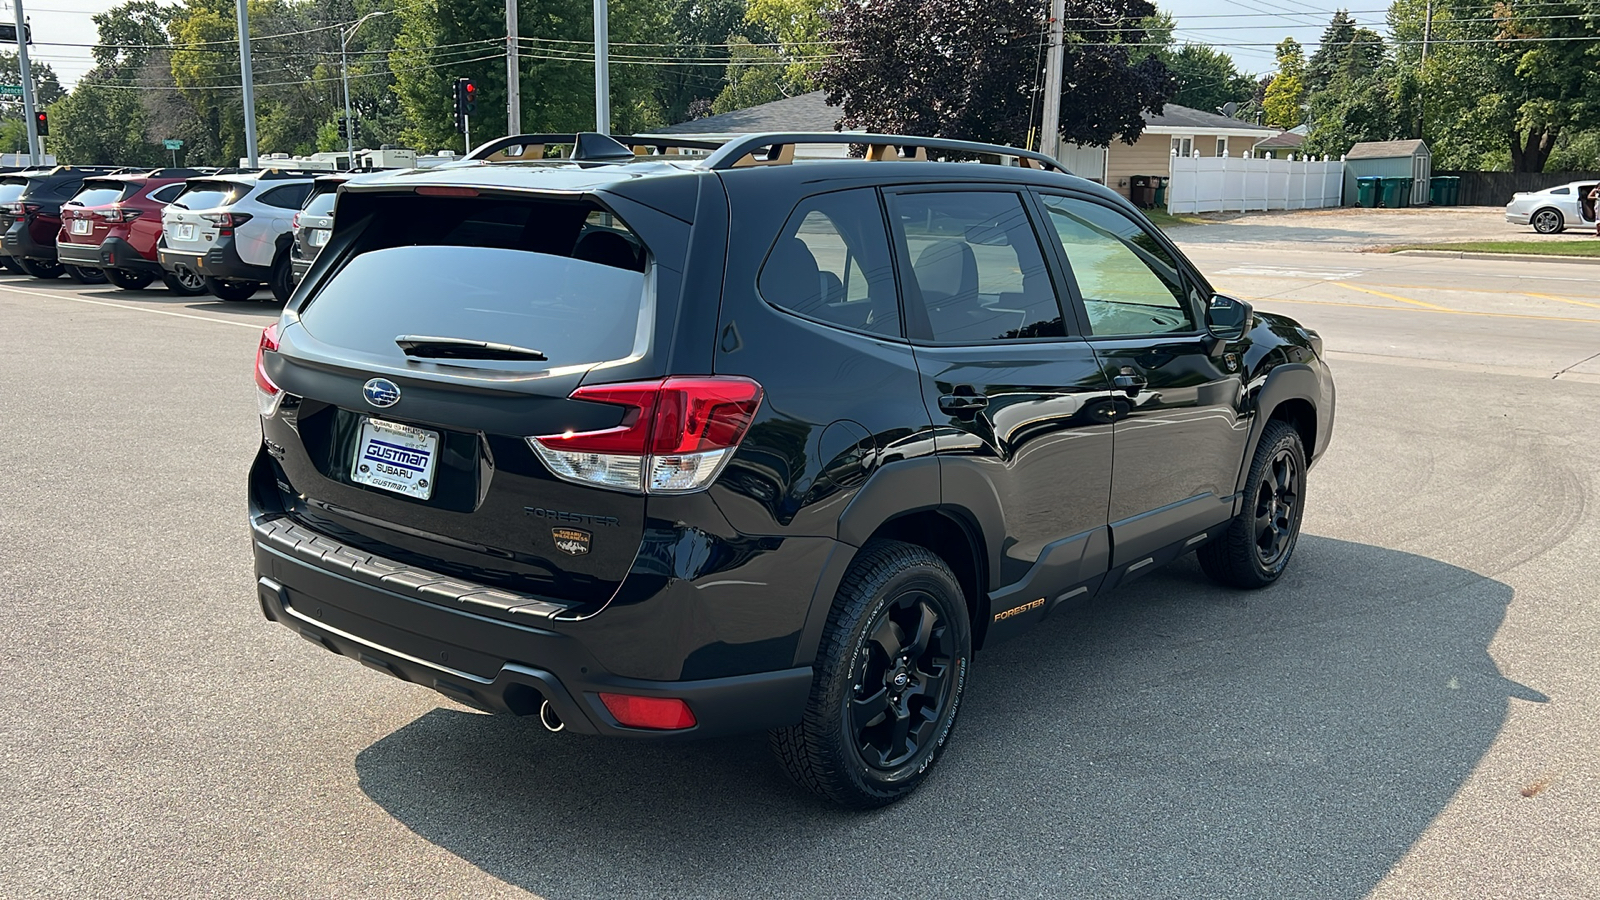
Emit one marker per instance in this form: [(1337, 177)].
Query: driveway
[(1362, 229)]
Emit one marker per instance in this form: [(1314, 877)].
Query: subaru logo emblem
[(381, 392)]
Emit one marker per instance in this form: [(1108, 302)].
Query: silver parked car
[(1553, 209)]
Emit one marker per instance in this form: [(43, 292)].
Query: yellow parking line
[(1392, 296), (1410, 309), (1560, 299)]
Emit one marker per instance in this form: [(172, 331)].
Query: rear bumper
[(79, 254), (220, 261), (496, 665), (19, 242), (1519, 218), (116, 253), (299, 267)]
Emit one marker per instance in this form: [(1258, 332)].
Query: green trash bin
[(1405, 191), (1161, 191), (1367, 191), (1392, 188), (1452, 193), (1438, 190)]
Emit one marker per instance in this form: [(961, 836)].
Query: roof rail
[(778, 149), (533, 146)]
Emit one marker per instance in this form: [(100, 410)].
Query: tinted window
[(12, 189), (101, 193), (831, 263), (537, 275), (320, 204), (977, 269), (208, 194), (166, 194), (1129, 283), (291, 196), (67, 188), (1562, 191)]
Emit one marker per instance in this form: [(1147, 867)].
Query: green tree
[(1330, 53), (755, 75), (1207, 78), (1355, 102), (1286, 93)]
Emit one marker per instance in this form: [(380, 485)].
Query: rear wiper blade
[(462, 348)]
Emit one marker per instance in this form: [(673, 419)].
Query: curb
[(1507, 257)]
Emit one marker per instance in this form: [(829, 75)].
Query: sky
[(1246, 29)]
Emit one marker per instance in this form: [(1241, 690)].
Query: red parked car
[(114, 224)]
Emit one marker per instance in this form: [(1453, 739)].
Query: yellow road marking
[(1561, 299), (1392, 296), (1441, 309)]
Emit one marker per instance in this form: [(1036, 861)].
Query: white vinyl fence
[(1243, 184)]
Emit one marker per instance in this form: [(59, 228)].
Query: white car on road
[(1553, 209), (235, 231)]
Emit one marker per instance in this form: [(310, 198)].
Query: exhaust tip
[(549, 719)]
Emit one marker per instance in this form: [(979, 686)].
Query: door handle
[(963, 400), (1129, 381)]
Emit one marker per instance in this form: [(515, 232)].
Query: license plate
[(81, 226), (184, 233), (317, 237), (396, 458)]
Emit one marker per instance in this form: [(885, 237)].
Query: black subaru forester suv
[(667, 447)]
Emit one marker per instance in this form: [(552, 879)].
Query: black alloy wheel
[(39, 268), (184, 282), (889, 675), (129, 281), (1254, 548), (85, 275), (903, 682), (1547, 221)]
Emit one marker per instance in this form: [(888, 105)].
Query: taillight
[(118, 214), (664, 713), (226, 222), (675, 438), (295, 222), (268, 394), (29, 209)]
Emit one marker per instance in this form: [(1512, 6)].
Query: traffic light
[(42, 119), (345, 130), (466, 101)]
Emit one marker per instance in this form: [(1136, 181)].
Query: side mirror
[(1228, 318)]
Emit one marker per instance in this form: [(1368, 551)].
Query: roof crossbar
[(766, 149), (533, 145)]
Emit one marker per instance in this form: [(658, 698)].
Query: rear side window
[(562, 277), (290, 196), (208, 194), (102, 193), (166, 194), (977, 268), (831, 263)]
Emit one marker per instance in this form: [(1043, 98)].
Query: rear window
[(208, 194), (11, 189), (103, 193), (565, 278), (320, 204)]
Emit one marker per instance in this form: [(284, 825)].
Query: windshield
[(575, 312), (208, 194), (102, 193), (320, 204)]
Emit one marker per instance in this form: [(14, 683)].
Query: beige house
[(1178, 129)]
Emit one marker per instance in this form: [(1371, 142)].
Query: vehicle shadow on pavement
[(1173, 739)]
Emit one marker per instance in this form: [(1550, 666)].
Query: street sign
[(10, 90), (172, 144)]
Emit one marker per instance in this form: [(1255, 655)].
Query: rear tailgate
[(426, 459), (83, 218), (183, 222)]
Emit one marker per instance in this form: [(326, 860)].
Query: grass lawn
[(1539, 248), (1164, 219)]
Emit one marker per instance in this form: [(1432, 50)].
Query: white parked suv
[(234, 230)]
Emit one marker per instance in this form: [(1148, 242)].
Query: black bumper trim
[(722, 706), (221, 261), (116, 253)]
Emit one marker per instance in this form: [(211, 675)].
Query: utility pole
[(249, 85), (344, 68), (1427, 35), (1050, 131), (27, 87), (602, 67), (513, 72)]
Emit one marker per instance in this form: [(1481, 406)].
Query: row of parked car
[(226, 232)]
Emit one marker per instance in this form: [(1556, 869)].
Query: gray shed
[(1389, 159)]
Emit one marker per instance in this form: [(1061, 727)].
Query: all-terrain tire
[(1256, 545), (827, 752), (187, 283), (235, 291), (282, 282)]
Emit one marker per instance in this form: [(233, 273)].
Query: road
[(1413, 711)]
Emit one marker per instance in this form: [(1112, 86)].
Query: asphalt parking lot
[(1412, 711)]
